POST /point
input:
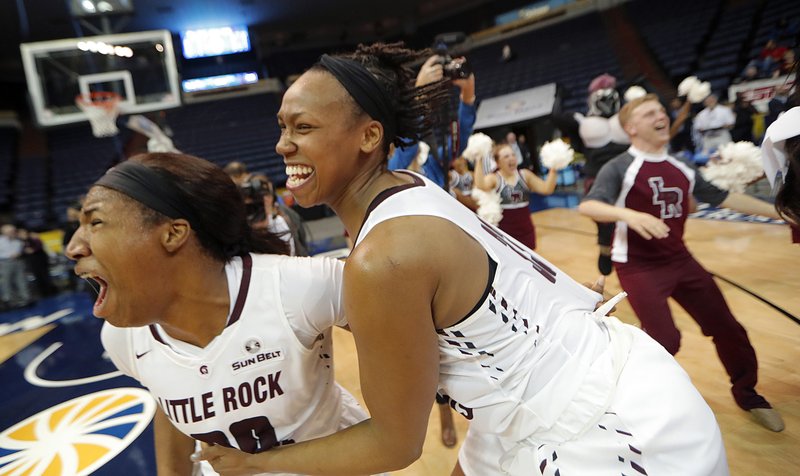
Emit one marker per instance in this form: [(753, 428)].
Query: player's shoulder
[(296, 267)]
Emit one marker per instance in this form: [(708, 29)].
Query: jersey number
[(253, 435)]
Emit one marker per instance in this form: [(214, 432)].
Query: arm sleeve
[(311, 292), (117, 344), (403, 156), (607, 185)]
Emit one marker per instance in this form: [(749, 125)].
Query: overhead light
[(159, 47), (88, 6)]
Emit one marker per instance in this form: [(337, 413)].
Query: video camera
[(253, 191), (447, 45)]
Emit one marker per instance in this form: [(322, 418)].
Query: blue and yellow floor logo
[(78, 436)]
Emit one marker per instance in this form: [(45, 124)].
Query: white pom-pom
[(699, 92), (479, 145), (556, 154), (488, 205), (686, 85), (738, 164), (634, 92), (422, 153)]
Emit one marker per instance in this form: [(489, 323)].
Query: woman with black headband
[(439, 300), (234, 344)]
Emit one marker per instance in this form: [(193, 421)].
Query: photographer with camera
[(450, 137), (264, 212)]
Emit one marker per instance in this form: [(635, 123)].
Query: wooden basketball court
[(757, 257)]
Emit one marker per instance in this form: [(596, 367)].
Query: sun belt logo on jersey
[(78, 436), (670, 199)]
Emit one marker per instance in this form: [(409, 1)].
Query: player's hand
[(431, 71), (599, 287), (229, 461), (646, 225)]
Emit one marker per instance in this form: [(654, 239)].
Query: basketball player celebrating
[(646, 192), (514, 343), (514, 187), (234, 345)]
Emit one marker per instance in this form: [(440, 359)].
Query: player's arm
[(537, 185), (388, 291), (173, 448)]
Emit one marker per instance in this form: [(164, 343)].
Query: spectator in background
[(743, 125), (769, 58), (786, 31), (527, 158), (37, 260), (786, 64), (461, 183), (749, 73), (70, 226), (237, 172), (511, 140), (507, 54), (681, 128), (778, 104), (437, 166), (13, 286), (265, 212), (713, 124)]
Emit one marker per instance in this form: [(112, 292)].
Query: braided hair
[(391, 64)]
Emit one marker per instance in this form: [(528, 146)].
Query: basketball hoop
[(101, 108)]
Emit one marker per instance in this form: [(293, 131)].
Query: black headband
[(364, 89), (149, 188)]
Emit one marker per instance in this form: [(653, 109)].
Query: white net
[(101, 109)]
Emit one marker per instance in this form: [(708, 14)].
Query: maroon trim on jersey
[(492, 272), (156, 335), (247, 271), (247, 265), (388, 193)]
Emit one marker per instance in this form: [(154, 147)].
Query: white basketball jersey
[(522, 360), (257, 384)]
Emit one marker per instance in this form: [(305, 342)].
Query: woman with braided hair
[(439, 300), (232, 338)]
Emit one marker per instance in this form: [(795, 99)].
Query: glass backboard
[(140, 67)]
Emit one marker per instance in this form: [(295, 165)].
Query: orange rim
[(102, 99)]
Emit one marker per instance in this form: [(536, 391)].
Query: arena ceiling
[(277, 23)]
